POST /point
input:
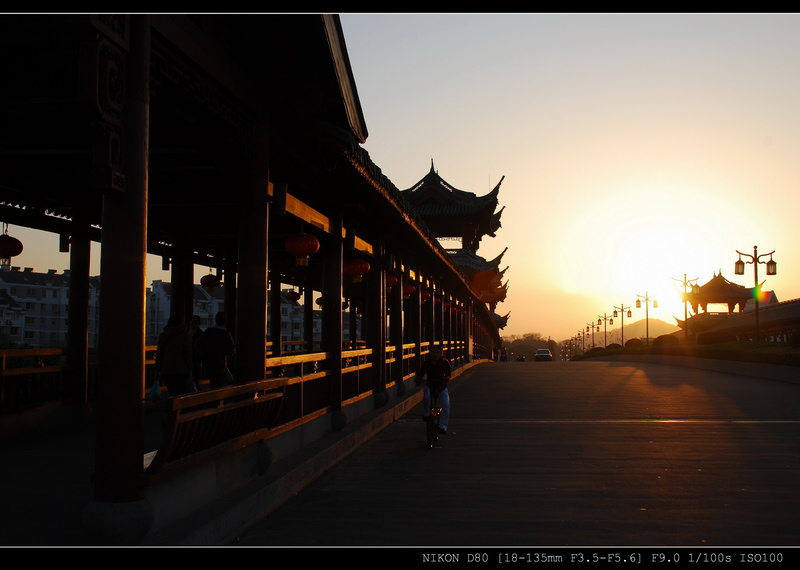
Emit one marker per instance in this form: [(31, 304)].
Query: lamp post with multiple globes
[(622, 309), (605, 318), (647, 300), (695, 289), (592, 326), (755, 259)]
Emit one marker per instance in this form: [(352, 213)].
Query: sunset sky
[(636, 148)]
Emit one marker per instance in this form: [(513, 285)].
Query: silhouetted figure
[(195, 332), (436, 369), (174, 356), (216, 346)]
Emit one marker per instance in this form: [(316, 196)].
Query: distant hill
[(637, 329)]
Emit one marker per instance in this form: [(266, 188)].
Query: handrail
[(206, 423)]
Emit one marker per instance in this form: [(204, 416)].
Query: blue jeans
[(444, 402)]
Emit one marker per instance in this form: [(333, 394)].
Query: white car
[(543, 354)]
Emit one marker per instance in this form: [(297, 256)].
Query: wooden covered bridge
[(229, 142)]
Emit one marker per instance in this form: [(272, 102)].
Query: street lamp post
[(755, 259), (622, 309), (592, 325), (603, 320), (647, 300), (686, 282)]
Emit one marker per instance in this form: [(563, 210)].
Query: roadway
[(561, 454)]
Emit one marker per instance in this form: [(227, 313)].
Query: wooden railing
[(213, 422), (31, 377), (296, 389)]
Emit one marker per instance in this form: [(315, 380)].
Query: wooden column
[(251, 288), (308, 317), (182, 277), (120, 384), (78, 311), (418, 310), (375, 324), (275, 316), (230, 290), (395, 316), (332, 317)]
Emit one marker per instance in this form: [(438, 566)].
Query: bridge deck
[(553, 460)]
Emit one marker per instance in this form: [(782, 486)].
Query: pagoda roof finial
[(432, 170)]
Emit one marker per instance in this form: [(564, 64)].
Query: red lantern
[(408, 290), (302, 246), (356, 268), (210, 281), (292, 296), (426, 294), (9, 247), (391, 280)]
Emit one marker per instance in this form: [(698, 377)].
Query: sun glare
[(644, 241)]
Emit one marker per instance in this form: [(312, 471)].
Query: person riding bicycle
[(437, 371)]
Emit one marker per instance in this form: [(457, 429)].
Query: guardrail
[(296, 390), (30, 377)]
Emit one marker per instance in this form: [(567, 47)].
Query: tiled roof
[(26, 276), (719, 290), (451, 212), (434, 196)]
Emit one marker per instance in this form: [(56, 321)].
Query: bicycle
[(432, 420)]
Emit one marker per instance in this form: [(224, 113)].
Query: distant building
[(33, 307), (206, 304), (33, 310)]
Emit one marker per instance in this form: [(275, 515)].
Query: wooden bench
[(207, 424)]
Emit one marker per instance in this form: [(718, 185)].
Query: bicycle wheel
[(432, 427), (431, 435)]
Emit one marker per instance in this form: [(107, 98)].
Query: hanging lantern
[(426, 294), (356, 268), (391, 280), (9, 247), (293, 296), (772, 266), (319, 301), (408, 290), (210, 281), (301, 246), (738, 267)]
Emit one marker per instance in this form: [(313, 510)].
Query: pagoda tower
[(451, 213)]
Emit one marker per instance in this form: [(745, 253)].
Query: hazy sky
[(636, 148)]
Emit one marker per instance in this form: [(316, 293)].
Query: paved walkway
[(570, 454), (47, 478), (47, 482)]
